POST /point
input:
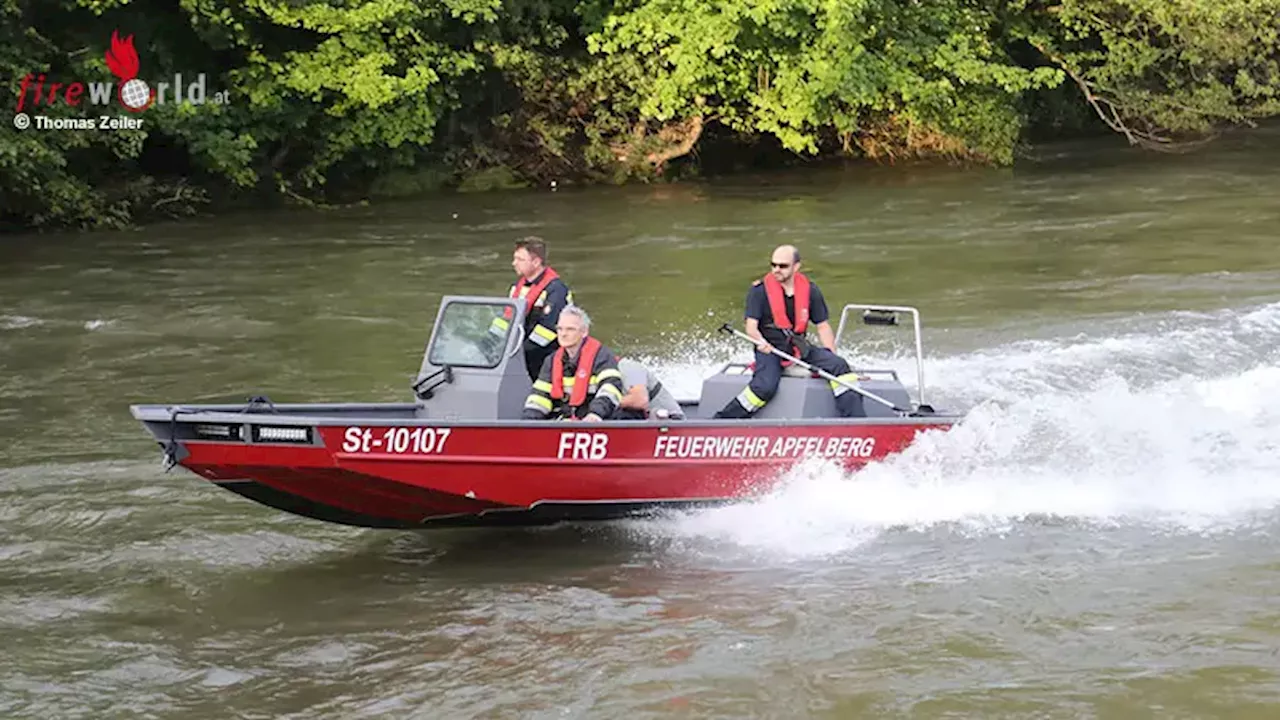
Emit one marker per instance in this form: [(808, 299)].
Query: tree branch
[(1113, 114), (691, 129)]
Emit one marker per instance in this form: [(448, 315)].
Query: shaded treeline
[(334, 101)]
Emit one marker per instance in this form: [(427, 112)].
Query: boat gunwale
[(346, 414)]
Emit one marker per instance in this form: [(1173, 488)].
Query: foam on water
[(1175, 424), (17, 322)]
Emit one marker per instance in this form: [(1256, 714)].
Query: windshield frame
[(493, 302)]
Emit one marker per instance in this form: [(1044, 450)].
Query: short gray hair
[(579, 313)]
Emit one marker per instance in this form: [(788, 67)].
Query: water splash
[(17, 322), (1174, 422)]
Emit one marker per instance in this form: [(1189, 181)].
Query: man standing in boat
[(546, 295), (780, 308), (580, 380)]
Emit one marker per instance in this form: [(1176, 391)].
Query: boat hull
[(408, 473)]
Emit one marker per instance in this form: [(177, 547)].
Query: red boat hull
[(414, 476)]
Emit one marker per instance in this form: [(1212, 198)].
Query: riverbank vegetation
[(342, 100)]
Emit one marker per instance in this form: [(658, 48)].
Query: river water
[(1098, 539)]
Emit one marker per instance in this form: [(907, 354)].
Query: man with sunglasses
[(780, 308)]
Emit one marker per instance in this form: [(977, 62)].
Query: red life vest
[(581, 378), (777, 305), (535, 291)]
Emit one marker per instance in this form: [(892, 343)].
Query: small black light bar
[(210, 431), (295, 434)]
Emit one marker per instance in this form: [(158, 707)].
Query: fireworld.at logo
[(122, 61), (133, 93)]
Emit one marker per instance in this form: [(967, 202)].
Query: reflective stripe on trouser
[(749, 401), (764, 379), (848, 402), (763, 385), (840, 388)]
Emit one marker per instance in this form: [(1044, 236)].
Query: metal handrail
[(915, 315)]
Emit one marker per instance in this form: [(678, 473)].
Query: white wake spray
[(1175, 423)]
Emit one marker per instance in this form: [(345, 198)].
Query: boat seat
[(797, 371), (791, 370)]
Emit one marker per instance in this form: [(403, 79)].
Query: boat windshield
[(470, 334)]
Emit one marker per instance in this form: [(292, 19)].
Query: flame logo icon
[(122, 60)]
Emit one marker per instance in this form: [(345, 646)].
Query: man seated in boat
[(780, 308), (580, 380), (546, 294), (645, 397)]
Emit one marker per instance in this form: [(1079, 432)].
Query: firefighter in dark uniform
[(546, 293), (646, 397), (580, 380), (780, 309)]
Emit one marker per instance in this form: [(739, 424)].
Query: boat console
[(473, 365)]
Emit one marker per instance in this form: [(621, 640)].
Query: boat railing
[(887, 315)]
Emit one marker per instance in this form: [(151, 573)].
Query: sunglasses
[(781, 266)]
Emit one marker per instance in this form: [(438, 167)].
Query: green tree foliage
[(335, 99), (924, 76), (1164, 71)]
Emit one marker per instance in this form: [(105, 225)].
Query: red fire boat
[(459, 454)]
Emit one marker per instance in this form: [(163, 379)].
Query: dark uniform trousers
[(768, 373)]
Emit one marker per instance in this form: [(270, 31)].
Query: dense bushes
[(339, 100)]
